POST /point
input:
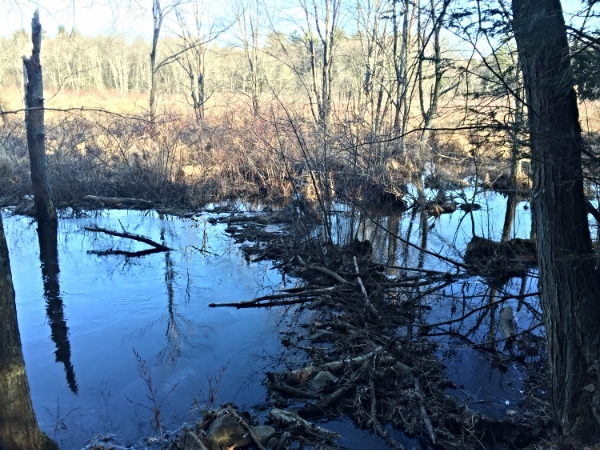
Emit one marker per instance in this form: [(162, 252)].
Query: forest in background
[(332, 115), (367, 109), (369, 97)]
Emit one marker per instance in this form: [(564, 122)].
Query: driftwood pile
[(366, 356)]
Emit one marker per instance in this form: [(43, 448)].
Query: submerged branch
[(127, 235)]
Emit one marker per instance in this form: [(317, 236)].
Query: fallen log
[(127, 235), (118, 200), (125, 253)]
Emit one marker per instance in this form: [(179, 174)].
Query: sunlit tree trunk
[(568, 279), (34, 120), (18, 425)]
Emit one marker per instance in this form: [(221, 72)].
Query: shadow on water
[(48, 240)]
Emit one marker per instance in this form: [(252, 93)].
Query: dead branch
[(256, 302), (331, 273), (426, 420), (127, 235), (293, 419), (368, 304)]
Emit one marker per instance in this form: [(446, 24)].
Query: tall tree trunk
[(569, 282), (34, 120), (18, 425), (157, 16)]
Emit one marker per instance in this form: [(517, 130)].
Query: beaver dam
[(255, 328)]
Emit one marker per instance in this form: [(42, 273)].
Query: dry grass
[(112, 149)]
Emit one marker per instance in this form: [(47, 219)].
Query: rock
[(263, 433), (226, 432), (322, 381), (189, 441)]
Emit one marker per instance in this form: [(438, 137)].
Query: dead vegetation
[(368, 355), (173, 160)]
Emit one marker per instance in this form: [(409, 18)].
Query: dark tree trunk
[(34, 120), (18, 425), (569, 282)]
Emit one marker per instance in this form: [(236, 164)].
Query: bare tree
[(248, 17), (194, 42), (322, 24), (34, 119)]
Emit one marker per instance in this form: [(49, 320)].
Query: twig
[(376, 425), (415, 269), (301, 375)]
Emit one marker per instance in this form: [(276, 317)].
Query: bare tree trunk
[(157, 16), (34, 120), (19, 429), (568, 279)]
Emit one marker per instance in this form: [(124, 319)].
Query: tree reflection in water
[(48, 239)]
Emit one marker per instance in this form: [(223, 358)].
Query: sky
[(90, 17), (131, 18)]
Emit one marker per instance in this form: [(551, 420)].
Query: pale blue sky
[(92, 17), (129, 17)]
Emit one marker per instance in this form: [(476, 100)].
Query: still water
[(81, 330), (79, 345)]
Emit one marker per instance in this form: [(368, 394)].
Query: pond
[(98, 333)]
